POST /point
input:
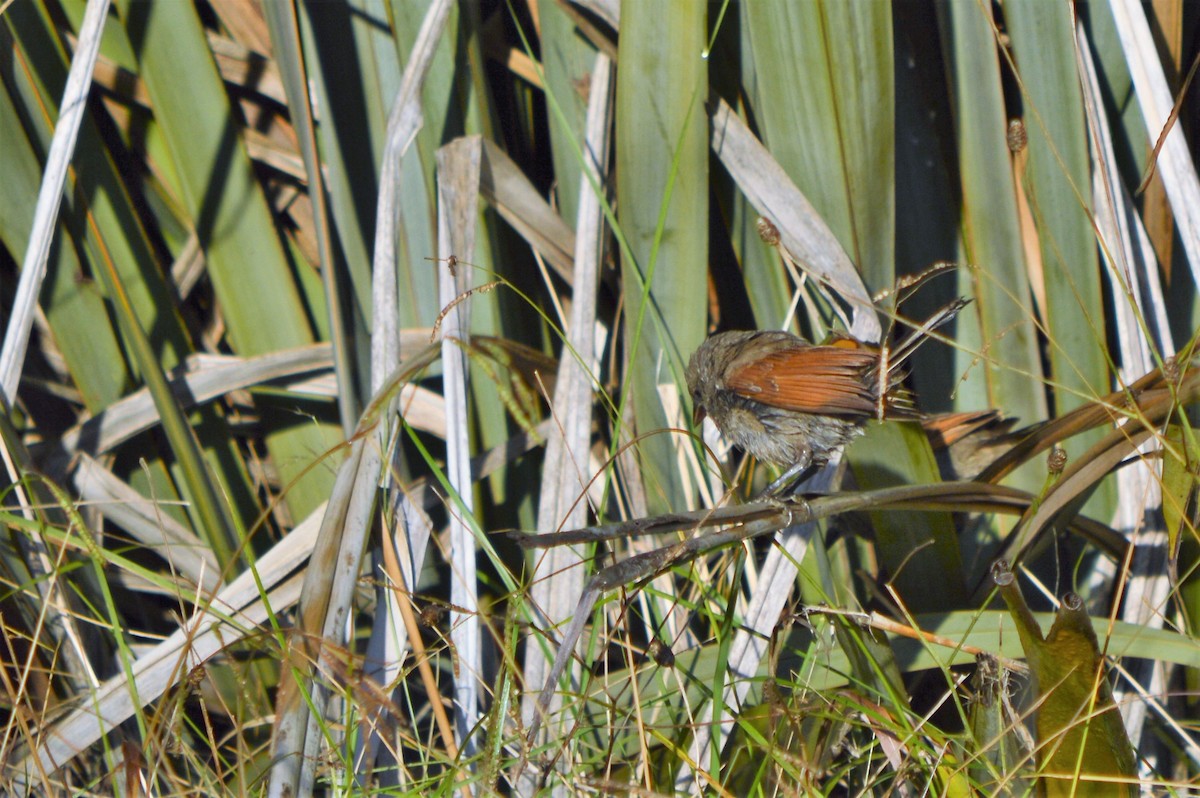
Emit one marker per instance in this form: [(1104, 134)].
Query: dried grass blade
[(33, 269), (458, 196), (558, 577)]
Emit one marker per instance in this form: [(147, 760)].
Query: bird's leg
[(789, 478)]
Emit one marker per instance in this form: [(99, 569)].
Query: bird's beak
[(698, 414)]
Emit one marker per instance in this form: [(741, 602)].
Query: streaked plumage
[(793, 403)]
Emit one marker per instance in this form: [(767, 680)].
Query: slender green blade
[(449, 109)]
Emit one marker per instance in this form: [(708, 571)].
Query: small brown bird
[(793, 403)]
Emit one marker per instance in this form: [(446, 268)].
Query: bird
[(792, 403)]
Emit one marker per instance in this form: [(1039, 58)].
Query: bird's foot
[(787, 481)]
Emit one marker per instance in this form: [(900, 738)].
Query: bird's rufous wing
[(829, 379)]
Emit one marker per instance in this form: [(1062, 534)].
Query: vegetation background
[(317, 300)]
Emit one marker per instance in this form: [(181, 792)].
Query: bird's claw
[(787, 481)]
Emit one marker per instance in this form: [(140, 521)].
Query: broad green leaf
[(352, 116), (1058, 183), (662, 171), (118, 234), (450, 110), (758, 269), (567, 61), (332, 288), (826, 111), (110, 223), (999, 324)]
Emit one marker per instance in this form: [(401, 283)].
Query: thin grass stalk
[(386, 646), (777, 579), (61, 626), (397, 563), (327, 703), (50, 608), (329, 582), (252, 598), (216, 525), (302, 699)]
